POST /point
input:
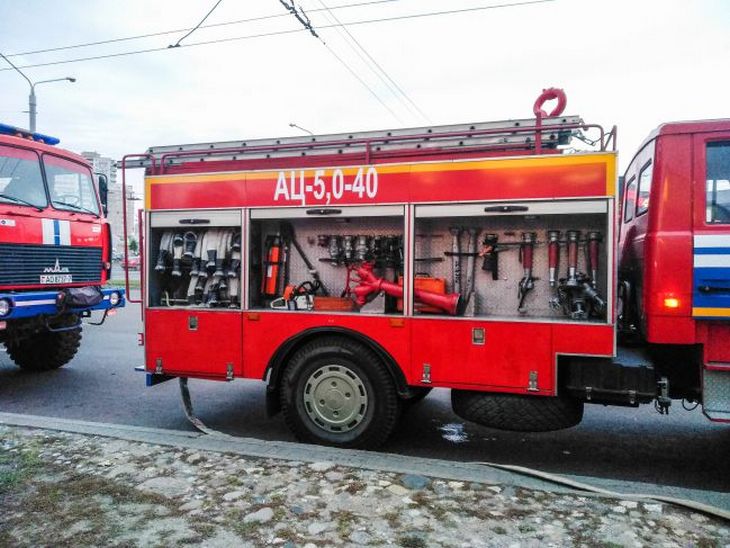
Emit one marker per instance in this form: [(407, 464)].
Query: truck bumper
[(29, 304)]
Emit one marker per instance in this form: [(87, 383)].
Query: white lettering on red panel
[(306, 187)]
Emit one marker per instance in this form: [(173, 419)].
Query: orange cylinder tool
[(269, 287)]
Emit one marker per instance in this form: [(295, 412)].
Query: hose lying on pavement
[(552, 478), (560, 480), (188, 407)]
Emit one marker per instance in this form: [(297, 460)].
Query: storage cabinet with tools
[(194, 259), (527, 260), (317, 259), (194, 291)]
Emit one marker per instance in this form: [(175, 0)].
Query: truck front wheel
[(337, 392), (48, 349)]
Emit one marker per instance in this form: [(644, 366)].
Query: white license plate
[(56, 278)]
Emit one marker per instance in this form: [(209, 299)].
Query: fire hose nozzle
[(369, 284), (553, 256)]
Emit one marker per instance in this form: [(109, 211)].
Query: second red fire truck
[(355, 272), (55, 250)]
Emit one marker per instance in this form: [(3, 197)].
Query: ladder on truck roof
[(529, 134)]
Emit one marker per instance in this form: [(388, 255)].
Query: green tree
[(133, 245)]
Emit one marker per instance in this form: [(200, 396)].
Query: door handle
[(713, 289), (505, 208)]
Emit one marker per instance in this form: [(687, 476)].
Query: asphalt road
[(682, 449)]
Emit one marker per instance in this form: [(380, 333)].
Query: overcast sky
[(631, 63)]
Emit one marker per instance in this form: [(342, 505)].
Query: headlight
[(114, 298), (5, 307)]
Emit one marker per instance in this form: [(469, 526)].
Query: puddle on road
[(454, 432)]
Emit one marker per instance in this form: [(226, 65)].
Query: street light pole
[(32, 100), (32, 103)]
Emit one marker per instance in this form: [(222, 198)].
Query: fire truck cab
[(355, 272), (55, 249), (674, 259)]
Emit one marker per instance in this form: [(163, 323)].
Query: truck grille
[(50, 265)]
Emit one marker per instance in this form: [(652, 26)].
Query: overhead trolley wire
[(176, 31), (368, 59), (196, 27), (307, 24), (283, 32)]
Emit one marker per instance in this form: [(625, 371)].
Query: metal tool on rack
[(455, 232), (594, 243), (553, 237), (576, 296), (527, 283)]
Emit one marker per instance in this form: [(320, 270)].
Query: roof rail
[(542, 134)]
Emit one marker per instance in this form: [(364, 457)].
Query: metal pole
[(32, 108)]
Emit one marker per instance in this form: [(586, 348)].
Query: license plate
[(56, 278)]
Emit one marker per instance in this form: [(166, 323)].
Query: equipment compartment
[(194, 259), (314, 259), (536, 260)]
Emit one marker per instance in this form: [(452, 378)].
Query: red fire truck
[(55, 249), (355, 272)]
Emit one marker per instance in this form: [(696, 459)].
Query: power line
[(382, 74), (306, 23), (196, 27), (290, 31), (301, 17), (16, 68), (363, 82), (175, 31)]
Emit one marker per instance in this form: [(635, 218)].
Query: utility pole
[(32, 102)]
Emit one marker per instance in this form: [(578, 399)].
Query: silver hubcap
[(335, 398)]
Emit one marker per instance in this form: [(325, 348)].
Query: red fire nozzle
[(370, 284)]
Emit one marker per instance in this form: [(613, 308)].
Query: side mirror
[(103, 183)]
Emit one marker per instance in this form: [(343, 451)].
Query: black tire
[(46, 350), (334, 375), (515, 412)]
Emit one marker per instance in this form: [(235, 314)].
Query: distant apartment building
[(105, 166)]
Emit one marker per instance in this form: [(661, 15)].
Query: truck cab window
[(718, 182), (71, 185), (21, 181), (630, 200), (642, 199)]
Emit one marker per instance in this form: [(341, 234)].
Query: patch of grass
[(17, 467), (246, 530), (393, 519), (287, 534), (411, 541), (205, 530), (705, 542), (345, 520), (355, 487), (133, 284)]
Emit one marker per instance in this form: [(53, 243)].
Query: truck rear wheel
[(516, 412), (46, 350), (338, 392)]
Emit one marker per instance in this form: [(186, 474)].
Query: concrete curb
[(386, 462)]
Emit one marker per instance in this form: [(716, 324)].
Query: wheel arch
[(278, 361)]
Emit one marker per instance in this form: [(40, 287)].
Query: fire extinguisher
[(269, 287)]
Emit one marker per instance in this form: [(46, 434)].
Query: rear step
[(716, 391)]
